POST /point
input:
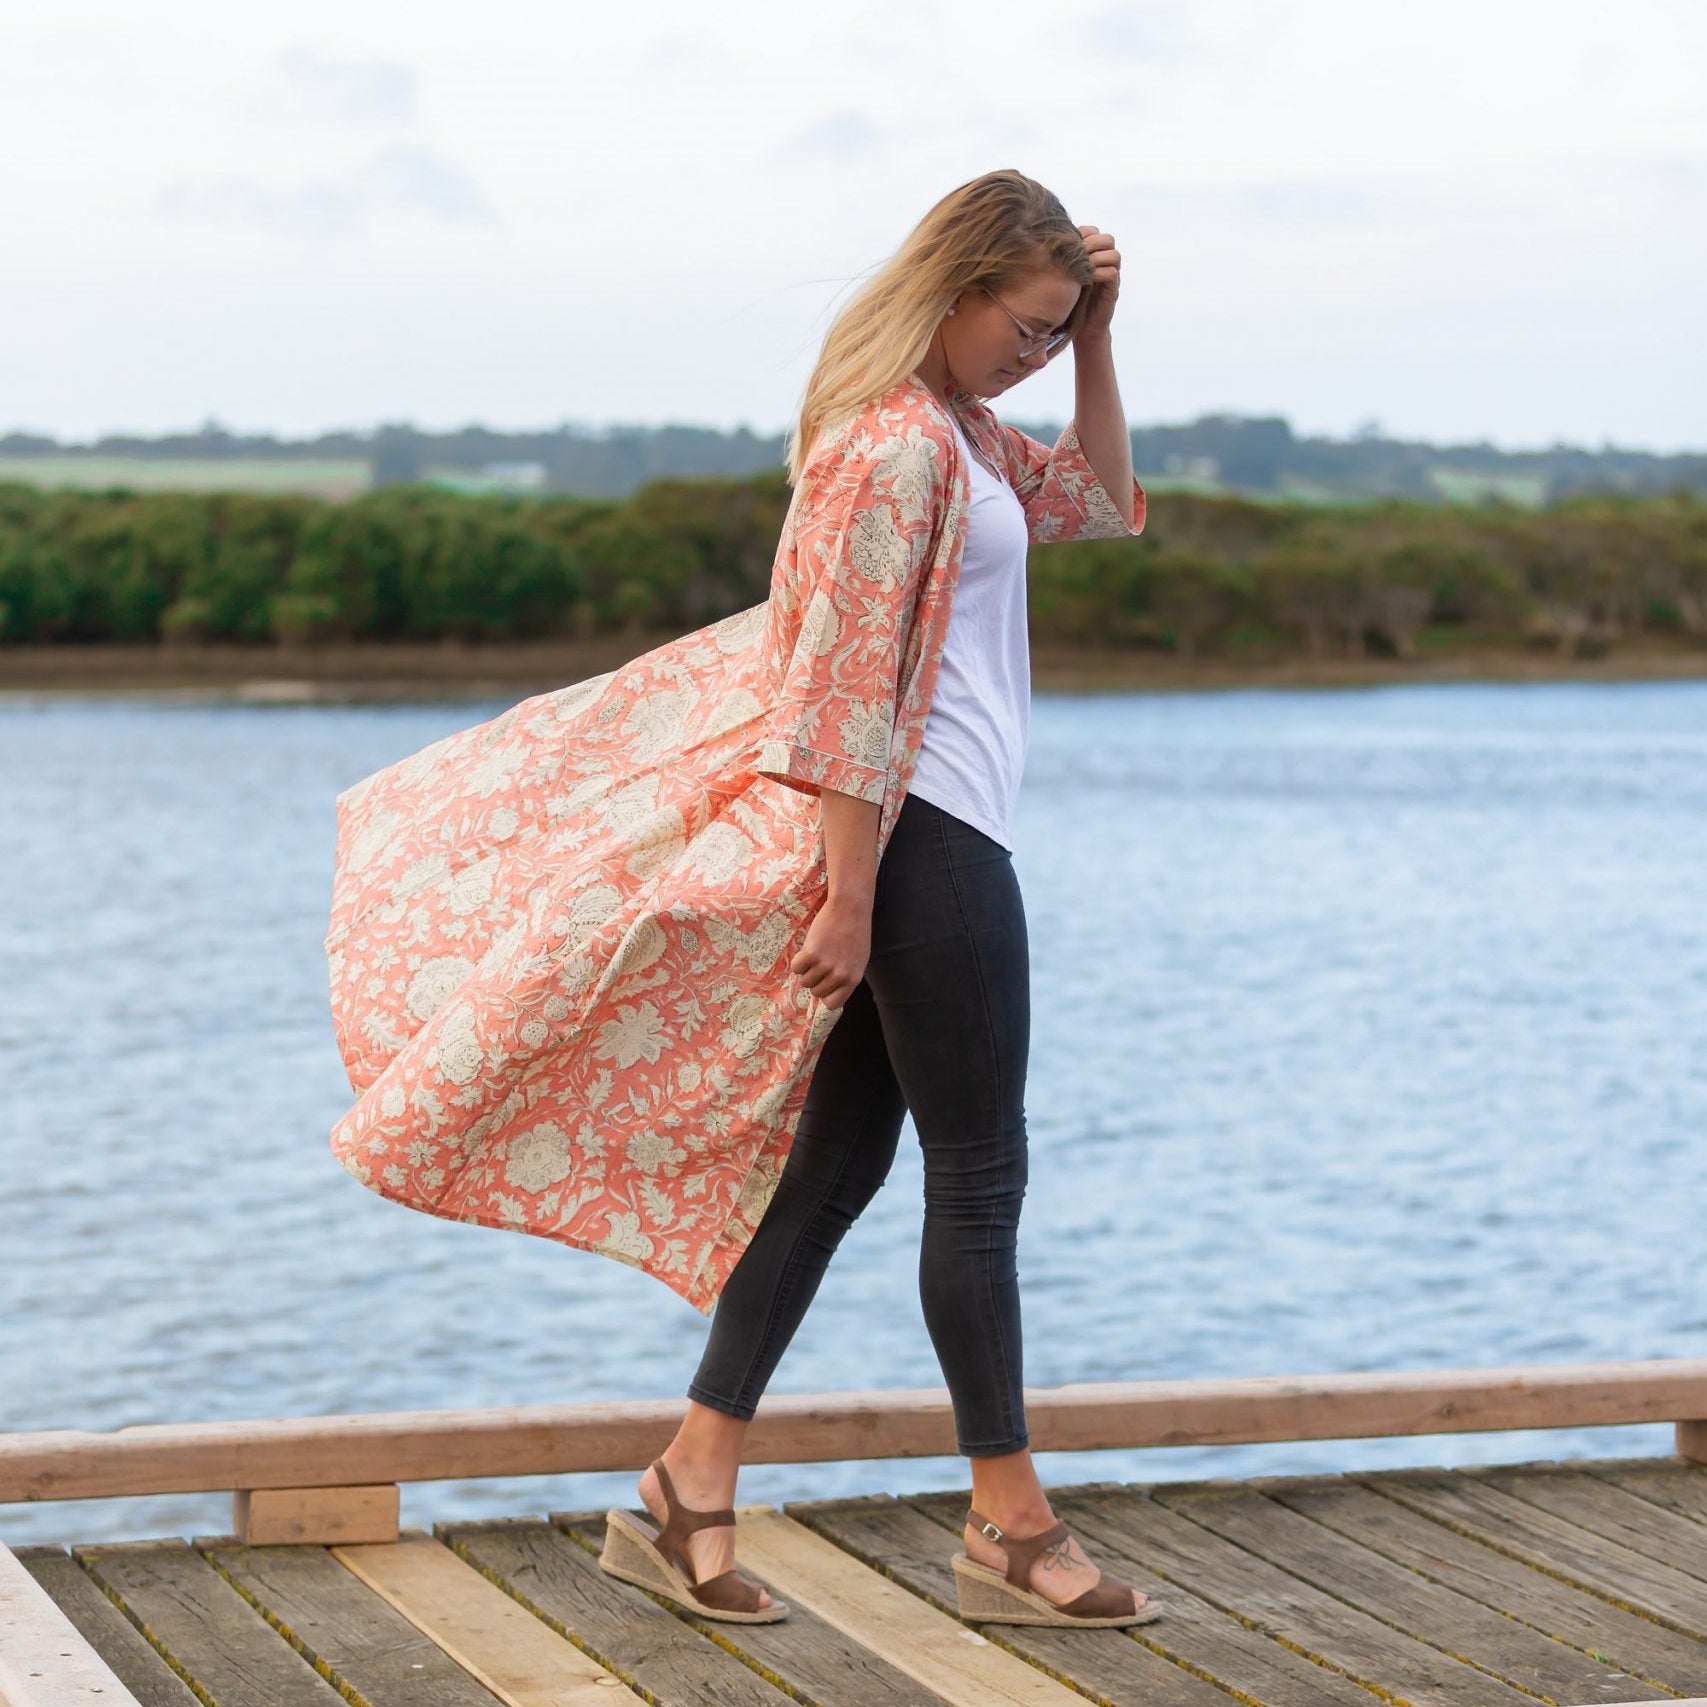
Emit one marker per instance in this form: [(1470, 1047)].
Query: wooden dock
[(1570, 1583)]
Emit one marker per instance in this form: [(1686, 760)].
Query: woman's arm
[(1097, 412), (838, 941), (1083, 488)]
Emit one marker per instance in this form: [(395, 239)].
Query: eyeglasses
[(1050, 343)]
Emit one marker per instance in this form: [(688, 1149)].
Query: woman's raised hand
[(1105, 281)]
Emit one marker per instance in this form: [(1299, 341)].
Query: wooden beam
[(1692, 1439), (45, 1660), (262, 1517), (549, 1440)]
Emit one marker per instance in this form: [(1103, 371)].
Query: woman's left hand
[(1105, 281)]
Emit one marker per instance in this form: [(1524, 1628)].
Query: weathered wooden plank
[(1455, 1623), (45, 1660), (806, 1654), (343, 1629), (1618, 1573), (500, 1642), (1638, 1646), (1569, 1492), (1274, 1601), (1153, 1665), (1674, 1483), (406, 1446), (938, 1652), (559, 1581), (124, 1648), (210, 1634)]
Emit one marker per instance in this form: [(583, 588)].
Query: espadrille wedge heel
[(658, 1560), (989, 1596)]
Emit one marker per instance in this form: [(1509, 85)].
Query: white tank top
[(974, 745)]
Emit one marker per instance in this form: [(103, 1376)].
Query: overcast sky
[(1472, 219)]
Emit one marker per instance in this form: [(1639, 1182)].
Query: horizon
[(1368, 431)]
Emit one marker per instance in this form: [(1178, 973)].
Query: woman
[(655, 964), (926, 950)]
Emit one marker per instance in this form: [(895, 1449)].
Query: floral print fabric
[(560, 940)]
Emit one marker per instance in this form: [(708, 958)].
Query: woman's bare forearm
[(1097, 413), (832, 959), (850, 848)]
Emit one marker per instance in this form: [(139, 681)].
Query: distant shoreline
[(379, 672)]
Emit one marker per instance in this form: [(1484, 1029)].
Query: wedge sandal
[(657, 1559), (989, 1596)]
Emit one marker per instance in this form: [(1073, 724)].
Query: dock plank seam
[(813, 1571), (1354, 1669), (1128, 1549), (140, 1626), (994, 1634), (498, 1641), (35, 1634), (1530, 1554), (1629, 1667), (609, 1661), (1374, 1612), (781, 1655), (451, 1533), (96, 1556), (1389, 1585), (279, 1624)]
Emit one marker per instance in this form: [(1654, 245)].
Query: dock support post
[(1692, 1440), (323, 1517)]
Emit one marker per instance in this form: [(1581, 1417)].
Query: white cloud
[(399, 179), (841, 134), (307, 86)]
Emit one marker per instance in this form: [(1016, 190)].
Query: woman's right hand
[(833, 958)]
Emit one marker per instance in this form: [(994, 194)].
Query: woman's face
[(982, 340)]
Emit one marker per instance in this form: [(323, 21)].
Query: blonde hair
[(988, 232)]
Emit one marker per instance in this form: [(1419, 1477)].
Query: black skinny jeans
[(940, 1025)]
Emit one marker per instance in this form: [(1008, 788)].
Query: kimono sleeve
[(862, 548), (1062, 496)]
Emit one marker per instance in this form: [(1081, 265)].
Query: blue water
[(1370, 1032)]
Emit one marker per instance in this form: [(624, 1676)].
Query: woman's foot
[(705, 1487), (1059, 1573)]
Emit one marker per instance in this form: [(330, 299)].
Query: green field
[(163, 474)]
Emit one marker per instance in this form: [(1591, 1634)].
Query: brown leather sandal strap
[(674, 1507), (1023, 1550), (681, 1521)]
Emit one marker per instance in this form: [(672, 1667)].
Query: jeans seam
[(995, 1056)]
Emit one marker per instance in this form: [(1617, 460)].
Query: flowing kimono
[(560, 941)]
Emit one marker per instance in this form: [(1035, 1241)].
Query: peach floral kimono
[(560, 941)]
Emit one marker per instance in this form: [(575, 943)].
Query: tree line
[(1257, 454), (1209, 577)]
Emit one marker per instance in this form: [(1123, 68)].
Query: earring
[(951, 311)]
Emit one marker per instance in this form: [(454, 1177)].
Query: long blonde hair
[(988, 232)]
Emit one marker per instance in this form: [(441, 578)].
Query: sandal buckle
[(989, 1529)]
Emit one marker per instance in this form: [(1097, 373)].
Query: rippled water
[(1369, 1034)]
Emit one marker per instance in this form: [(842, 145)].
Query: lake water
[(1370, 1032)]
